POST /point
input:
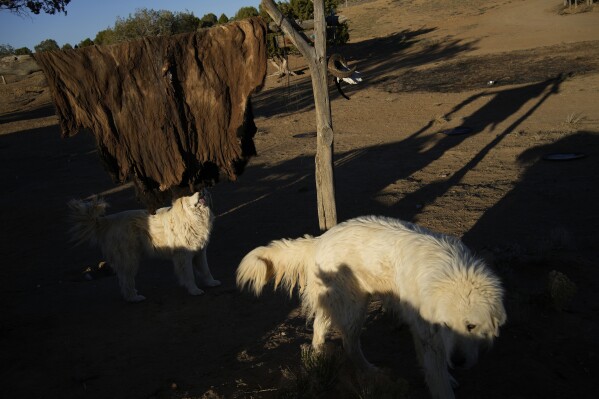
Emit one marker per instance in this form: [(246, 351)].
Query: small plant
[(319, 373), (575, 118), (574, 7), (322, 368), (561, 289), (382, 388)]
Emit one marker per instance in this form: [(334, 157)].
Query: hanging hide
[(170, 113)]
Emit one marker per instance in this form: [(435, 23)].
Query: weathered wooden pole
[(317, 62)]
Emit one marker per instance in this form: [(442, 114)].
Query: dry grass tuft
[(327, 375), (319, 373), (575, 118), (382, 387), (561, 289)]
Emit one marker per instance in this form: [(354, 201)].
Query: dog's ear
[(194, 199), (499, 317), (207, 197)]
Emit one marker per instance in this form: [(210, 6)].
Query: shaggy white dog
[(449, 298), (180, 232)]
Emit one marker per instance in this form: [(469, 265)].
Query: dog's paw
[(195, 291), (212, 283), (135, 298)]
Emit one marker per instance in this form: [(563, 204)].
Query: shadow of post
[(390, 162), (503, 105)]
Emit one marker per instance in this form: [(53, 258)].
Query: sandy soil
[(426, 66)]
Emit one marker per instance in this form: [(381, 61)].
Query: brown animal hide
[(171, 113)]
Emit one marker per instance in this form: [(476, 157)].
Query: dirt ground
[(426, 68)]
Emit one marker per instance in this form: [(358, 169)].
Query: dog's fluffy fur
[(449, 298), (180, 233)]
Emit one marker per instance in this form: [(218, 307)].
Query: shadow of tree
[(403, 50), (407, 61), (375, 57), (515, 67)]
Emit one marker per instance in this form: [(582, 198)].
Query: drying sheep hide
[(170, 113)]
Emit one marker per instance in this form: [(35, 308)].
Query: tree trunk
[(316, 56), (325, 183)]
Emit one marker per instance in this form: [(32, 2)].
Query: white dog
[(450, 299), (180, 232)]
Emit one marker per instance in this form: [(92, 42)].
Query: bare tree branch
[(35, 6)]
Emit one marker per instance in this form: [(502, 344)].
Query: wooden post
[(317, 62)]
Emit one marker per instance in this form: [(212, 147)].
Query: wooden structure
[(317, 62)]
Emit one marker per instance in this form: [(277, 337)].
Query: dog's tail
[(86, 220), (285, 261)]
